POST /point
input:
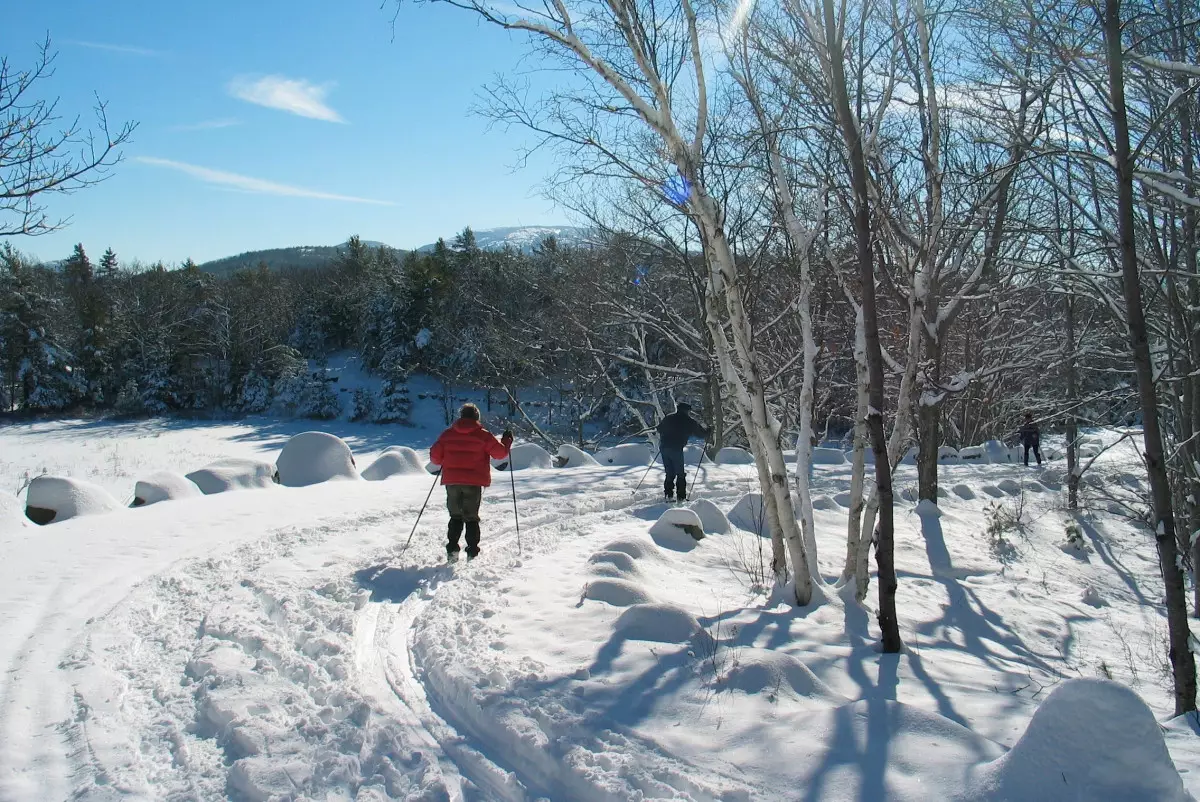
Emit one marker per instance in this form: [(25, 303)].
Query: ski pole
[(429, 495), (513, 480), (647, 473), (692, 484)]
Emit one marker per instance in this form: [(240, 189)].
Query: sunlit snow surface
[(278, 642)]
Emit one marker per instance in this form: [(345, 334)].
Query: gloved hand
[(508, 434)]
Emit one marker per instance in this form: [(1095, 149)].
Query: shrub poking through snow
[(51, 499), (1090, 739), (233, 473), (1001, 522), (163, 486), (1076, 542), (310, 458), (394, 461)]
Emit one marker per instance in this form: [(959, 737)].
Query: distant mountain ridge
[(524, 238), (299, 257)]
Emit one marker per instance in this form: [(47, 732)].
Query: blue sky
[(280, 122)]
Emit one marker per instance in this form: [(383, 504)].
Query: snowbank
[(1090, 739), (627, 454), (163, 486), (526, 456), (233, 473), (998, 453), (59, 498), (310, 458), (12, 516), (677, 528), (750, 513), (731, 455), (948, 455), (570, 456), (973, 454), (910, 456), (617, 592), (771, 671), (395, 461), (712, 519), (662, 623), (694, 455), (828, 456)]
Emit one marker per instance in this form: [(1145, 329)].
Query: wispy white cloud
[(294, 95), (207, 125), (128, 49), (246, 183)]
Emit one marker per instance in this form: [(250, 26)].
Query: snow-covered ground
[(281, 643)]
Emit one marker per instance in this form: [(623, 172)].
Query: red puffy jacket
[(463, 450)]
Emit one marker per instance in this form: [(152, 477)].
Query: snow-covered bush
[(1001, 522), (362, 405), (1094, 737), (525, 456), (305, 395), (163, 486), (750, 513), (310, 458), (233, 473), (60, 498), (627, 454), (731, 455), (677, 528), (394, 461), (255, 393), (394, 404), (571, 457)]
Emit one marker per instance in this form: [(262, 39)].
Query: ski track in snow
[(319, 660)]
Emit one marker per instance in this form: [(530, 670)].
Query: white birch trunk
[(858, 544)]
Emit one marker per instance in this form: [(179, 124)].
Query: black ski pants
[(1037, 452), (676, 481), (463, 502)]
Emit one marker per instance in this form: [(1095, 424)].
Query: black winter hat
[(683, 406)]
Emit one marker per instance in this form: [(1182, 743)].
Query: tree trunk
[(857, 547), (1183, 665), (884, 549)]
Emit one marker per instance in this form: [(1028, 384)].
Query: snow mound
[(734, 456), (750, 514), (1090, 739), (712, 520), (526, 456), (694, 455), (1051, 478), (910, 456), (843, 499), (637, 549), (617, 592), (393, 463), (570, 456), (12, 516), (1092, 597), (627, 454), (828, 456), (825, 503), (311, 458), (972, 454), (59, 498), (616, 564), (948, 455), (677, 528), (925, 507), (963, 492), (233, 473), (997, 452), (771, 671), (163, 486), (662, 623), (1010, 486)]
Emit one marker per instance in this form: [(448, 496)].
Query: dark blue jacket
[(675, 429)]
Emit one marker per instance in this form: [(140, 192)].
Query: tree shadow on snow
[(388, 583), (1106, 554)]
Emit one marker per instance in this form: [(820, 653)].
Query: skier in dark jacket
[(462, 453), (673, 433), (1031, 438)]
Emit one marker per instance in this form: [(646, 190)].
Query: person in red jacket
[(463, 453)]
